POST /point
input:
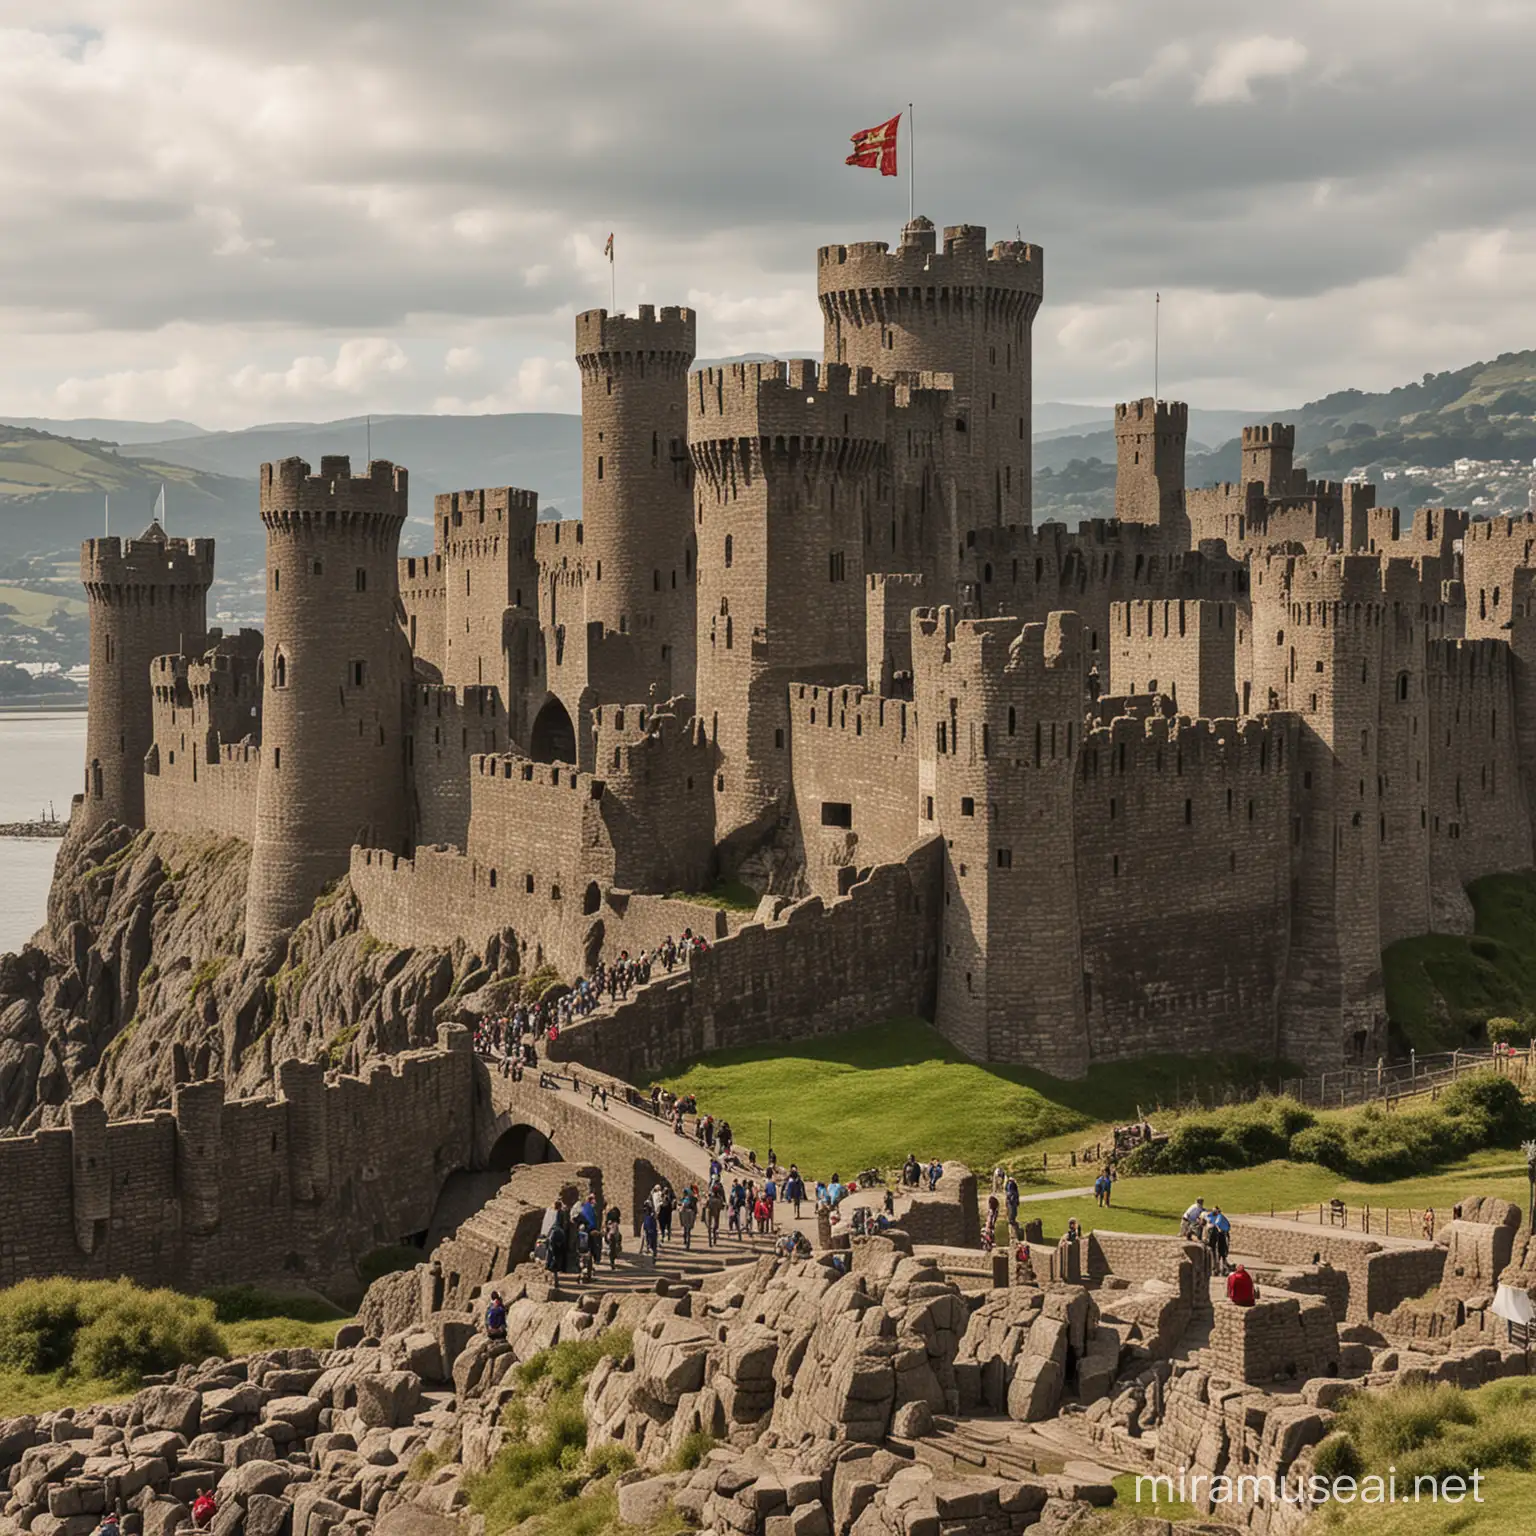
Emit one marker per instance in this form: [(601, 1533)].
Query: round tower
[(335, 672), (967, 311), (148, 597), (636, 478)]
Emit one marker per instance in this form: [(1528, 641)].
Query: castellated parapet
[(147, 596), (336, 666), (967, 310)]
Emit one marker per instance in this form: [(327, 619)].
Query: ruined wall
[(222, 1191), (1182, 847), (768, 981), (1284, 1339), (855, 780)]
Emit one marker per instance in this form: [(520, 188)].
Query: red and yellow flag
[(876, 147)]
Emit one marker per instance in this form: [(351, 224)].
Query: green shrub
[(1325, 1145), (109, 1329), (1240, 1137), (245, 1303), (1337, 1456), (1508, 1032), (691, 1451)]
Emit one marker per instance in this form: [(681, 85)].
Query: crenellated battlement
[(1012, 266), (852, 710), (668, 334), (1275, 435), (799, 402), (1175, 744), (151, 560), (995, 648), (460, 518), (1149, 415), (1328, 579), (334, 498)]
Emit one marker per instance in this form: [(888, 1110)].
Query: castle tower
[(1150, 437), (1003, 708), (786, 459), (335, 673), (1318, 642), (968, 311), (635, 503), (1269, 457), (147, 596)]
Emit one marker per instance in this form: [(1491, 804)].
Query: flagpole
[(107, 515), (1157, 339), (911, 165)]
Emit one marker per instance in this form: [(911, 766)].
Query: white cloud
[(207, 220), (1238, 65)]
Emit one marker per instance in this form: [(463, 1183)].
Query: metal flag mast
[(911, 165), (1157, 339)]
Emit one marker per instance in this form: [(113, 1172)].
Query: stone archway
[(553, 738), (521, 1143)]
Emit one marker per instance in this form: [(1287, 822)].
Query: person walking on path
[(713, 1206), (648, 1234), (989, 1231), (664, 1216), (794, 1189), (615, 1235), (1011, 1197), (687, 1214)]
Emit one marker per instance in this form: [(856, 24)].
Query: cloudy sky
[(252, 210)]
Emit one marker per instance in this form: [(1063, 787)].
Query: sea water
[(41, 758)]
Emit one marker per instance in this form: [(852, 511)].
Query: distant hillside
[(54, 492), (88, 427), (539, 451)]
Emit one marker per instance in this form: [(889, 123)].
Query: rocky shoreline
[(33, 828)]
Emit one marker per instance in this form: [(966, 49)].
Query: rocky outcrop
[(137, 981)]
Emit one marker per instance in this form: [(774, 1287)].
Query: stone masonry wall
[(769, 981), (218, 1191)]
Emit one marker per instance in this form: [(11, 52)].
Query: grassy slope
[(37, 608), (1442, 988), (870, 1097)]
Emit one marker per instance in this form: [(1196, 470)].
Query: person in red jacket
[(1240, 1288), (203, 1509)]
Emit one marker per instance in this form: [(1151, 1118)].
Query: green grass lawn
[(1442, 988), (730, 895), (868, 1098)]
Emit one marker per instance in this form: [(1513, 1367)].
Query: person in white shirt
[(1193, 1221)]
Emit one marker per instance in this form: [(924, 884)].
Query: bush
[(1324, 1145), (246, 1303), (1337, 1456), (1241, 1137), (1508, 1032), (691, 1451), (107, 1329)]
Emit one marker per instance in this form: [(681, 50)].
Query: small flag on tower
[(608, 249), (876, 147)]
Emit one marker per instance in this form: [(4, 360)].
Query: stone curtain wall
[(1182, 834), (818, 969), (217, 1191)]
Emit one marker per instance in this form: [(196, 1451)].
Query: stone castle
[(1167, 782)]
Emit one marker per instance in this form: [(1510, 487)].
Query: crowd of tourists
[(512, 1039)]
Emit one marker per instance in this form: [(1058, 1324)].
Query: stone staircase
[(681, 1268)]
